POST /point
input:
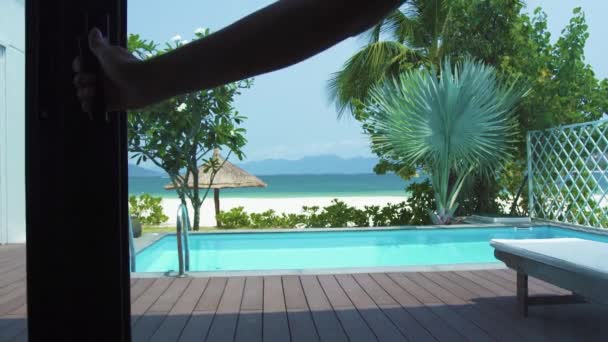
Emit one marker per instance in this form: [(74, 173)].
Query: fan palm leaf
[(456, 121)]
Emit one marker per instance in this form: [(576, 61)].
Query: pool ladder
[(132, 254), (183, 252)]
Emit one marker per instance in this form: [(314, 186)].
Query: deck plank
[(147, 325), (140, 287), (175, 321), (355, 326), (147, 299), (12, 300), (328, 326), (200, 321), (12, 276), (508, 304), (301, 325), (449, 314), (275, 323), (499, 325), (416, 306), (431, 321), (211, 298), (493, 330), (224, 324), (381, 325), (505, 305), (400, 317), (249, 327)]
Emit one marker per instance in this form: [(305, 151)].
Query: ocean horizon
[(291, 186)]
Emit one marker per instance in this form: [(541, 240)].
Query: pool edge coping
[(325, 271)]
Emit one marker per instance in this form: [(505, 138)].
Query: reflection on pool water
[(340, 249)]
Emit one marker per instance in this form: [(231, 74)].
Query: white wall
[(12, 121)]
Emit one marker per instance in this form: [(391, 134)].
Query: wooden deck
[(431, 306)]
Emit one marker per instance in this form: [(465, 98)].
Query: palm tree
[(454, 123), (408, 38)]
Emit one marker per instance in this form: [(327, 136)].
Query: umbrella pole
[(216, 199)]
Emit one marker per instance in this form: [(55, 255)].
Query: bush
[(337, 214), (420, 201), (234, 218), (390, 215), (147, 209)]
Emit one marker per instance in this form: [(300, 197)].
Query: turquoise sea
[(280, 186)]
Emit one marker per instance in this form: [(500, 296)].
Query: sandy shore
[(279, 205)]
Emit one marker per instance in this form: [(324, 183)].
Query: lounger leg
[(522, 293)]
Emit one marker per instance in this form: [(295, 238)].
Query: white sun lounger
[(580, 266)]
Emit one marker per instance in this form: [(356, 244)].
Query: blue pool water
[(308, 250)]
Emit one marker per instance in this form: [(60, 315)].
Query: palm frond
[(406, 38), (368, 67)]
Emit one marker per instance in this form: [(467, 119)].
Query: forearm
[(274, 37)]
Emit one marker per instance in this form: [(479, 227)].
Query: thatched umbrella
[(228, 176)]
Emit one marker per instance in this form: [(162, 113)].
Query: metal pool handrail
[(183, 252), (131, 246)]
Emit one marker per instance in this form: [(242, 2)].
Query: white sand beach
[(279, 205)]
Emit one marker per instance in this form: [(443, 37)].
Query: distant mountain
[(138, 171), (315, 165)]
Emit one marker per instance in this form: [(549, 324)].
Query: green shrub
[(390, 215), (269, 219), (234, 218), (147, 209), (337, 214), (420, 201)]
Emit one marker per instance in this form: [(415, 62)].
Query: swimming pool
[(339, 249)]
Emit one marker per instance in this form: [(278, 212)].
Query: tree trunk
[(519, 192), (196, 202), (483, 198), (216, 200), (182, 198), (197, 217)]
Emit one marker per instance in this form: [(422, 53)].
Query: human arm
[(279, 35)]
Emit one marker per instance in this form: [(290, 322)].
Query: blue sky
[(290, 115)]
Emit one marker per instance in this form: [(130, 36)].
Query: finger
[(77, 64), (84, 80), (96, 41)]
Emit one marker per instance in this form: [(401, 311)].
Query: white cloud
[(176, 38)]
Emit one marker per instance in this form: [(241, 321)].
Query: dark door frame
[(76, 185)]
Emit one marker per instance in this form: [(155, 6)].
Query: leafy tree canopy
[(180, 134), (562, 87)]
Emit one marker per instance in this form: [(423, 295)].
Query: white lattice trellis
[(568, 177)]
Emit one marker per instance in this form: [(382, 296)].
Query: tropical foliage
[(454, 122), (180, 134), (147, 209), (501, 33), (337, 214), (407, 39)]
